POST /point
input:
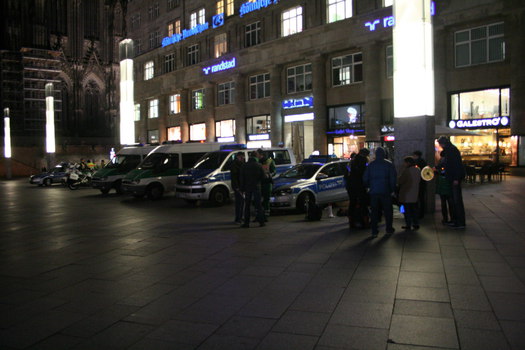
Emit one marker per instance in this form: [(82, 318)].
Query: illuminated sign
[(258, 137), (298, 117), (226, 139), (248, 7), (480, 123), (186, 33), (298, 103), (389, 138), (389, 21), (345, 131), (219, 67), (217, 20)]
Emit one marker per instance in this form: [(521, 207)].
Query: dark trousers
[(378, 203), (239, 205), (358, 215), (411, 214), (266, 191), (254, 196), (447, 208), (422, 199), (459, 209)]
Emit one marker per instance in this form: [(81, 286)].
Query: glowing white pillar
[(127, 112), (7, 134), (413, 59), (50, 119)]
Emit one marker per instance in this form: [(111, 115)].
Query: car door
[(329, 181)]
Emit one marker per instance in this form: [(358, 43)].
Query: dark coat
[(252, 175), (380, 175), (454, 169), (354, 181), (236, 174)]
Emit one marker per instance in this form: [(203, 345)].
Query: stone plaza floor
[(83, 271)]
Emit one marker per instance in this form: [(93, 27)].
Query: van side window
[(172, 162), (280, 157), (189, 159), (228, 165)]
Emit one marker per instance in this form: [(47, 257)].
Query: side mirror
[(321, 176)]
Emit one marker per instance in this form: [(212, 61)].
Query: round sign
[(427, 173)]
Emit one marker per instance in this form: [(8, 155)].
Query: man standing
[(454, 173), (381, 177), (422, 197), (357, 197), (268, 166), (252, 175), (236, 185)]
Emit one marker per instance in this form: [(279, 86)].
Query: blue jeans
[(257, 202), (382, 202)]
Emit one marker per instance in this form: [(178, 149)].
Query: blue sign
[(219, 67), (298, 103), (186, 33), (479, 123), (344, 131), (389, 21), (248, 7), (218, 20)]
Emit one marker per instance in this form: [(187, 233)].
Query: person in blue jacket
[(380, 178)]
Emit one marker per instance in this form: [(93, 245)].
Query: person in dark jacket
[(381, 177), (236, 185), (268, 166), (454, 173), (252, 175), (444, 190), (422, 198), (358, 202)]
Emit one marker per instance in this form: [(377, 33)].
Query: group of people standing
[(252, 185)]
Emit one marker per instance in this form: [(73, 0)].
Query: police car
[(310, 182)]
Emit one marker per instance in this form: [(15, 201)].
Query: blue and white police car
[(310, 182)]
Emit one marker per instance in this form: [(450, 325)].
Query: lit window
[(225, 128), (259, 86), (347, 69), (388, 3), (226, 93), (252, 34), (201, 18), (389, 61), (174, 133), (292, 21), (137, 112), (230, 7), (175, 104), (198, 132), (339, 10), (480, 45), (153, 136), (299, 78), (220, 7), (169, 63), (193, 19), (258, 125), (197, 99), (177, 27), (153, 111), (149, 70), (221, 45)]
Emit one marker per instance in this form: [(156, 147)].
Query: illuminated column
[(276, 122), (184, 109), (414, 120), (319, 94), (50, 124), (209, 105), (7, 143), (127, 120), (240, 104)]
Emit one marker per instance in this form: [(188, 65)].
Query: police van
[(311, 182), (158, 172), (127, 159), (210, 177)]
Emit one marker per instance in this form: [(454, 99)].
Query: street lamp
[(7, 143), (127, 112), (50, 119)]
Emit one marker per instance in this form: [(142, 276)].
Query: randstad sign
[(186, 33), (248, 7), (219, 67)]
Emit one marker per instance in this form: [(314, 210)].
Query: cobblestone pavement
[(83, 271)]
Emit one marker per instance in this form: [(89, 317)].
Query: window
[(201, 18), (154, 39), (171, 4), (389, 61), (339, 10), (489, 103), (153, 111), (259, 86), (197, 99), (387, 3), (480, 45), (174, 133), (156, 11), (138, 47), (193, 54), (258, 125), (137, 112), (197, 17), (169, 63), (149, 70), (220, 7), (347, 69), (198, 132), (292, 21), (175, 104), (174, 27), (230, 7), (221, 45), (135, 21), (299, 78), (350, 116), (153, 136), (193, 19), (252, 34), (226, 93), (225, 128)]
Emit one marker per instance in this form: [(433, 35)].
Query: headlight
[(202, 181), (284, 192)]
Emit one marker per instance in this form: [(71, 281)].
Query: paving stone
[(476, 319), (285, 341), (424, 331), (347, 337), (251, 327), (422, 279), (301, 322), (422, 293), (191, 333), (317, 300), (373, 315), (508, 306), (468, 298), (119, 336), (463, 275), (503, 284), (423, 308), (476, 339), (514, 333)]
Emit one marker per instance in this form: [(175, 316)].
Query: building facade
[(318, 75)]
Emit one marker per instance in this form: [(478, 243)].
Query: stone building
[(317, 75)]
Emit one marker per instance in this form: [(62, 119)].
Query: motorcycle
[(77, 178)]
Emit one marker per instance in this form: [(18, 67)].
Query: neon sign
[(389, 21), (298, 117), (298, 103), (344, 131), (480, 123), (248, 7), (258, 137), (217, 20), (219, 67), (186, 33)]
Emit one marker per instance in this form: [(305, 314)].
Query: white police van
[(210, 177), (311, 182)]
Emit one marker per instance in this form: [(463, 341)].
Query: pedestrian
[(268, 166), (358, 202), (102, 163), (83, 166), (408, 183), (236, 185), (252, 175), (422, 197), (444, 190), (380, 178), (454, 173)]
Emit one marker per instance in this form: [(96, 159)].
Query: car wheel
[(118, 187), (155, 192), (47, 182), (219, 196), (104, 190), (303, 201)]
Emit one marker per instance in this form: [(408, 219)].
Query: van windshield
[(211, 160), (301, 171), (124, 161), (153, 160)]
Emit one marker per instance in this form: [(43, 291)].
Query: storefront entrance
[(299, 136)]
